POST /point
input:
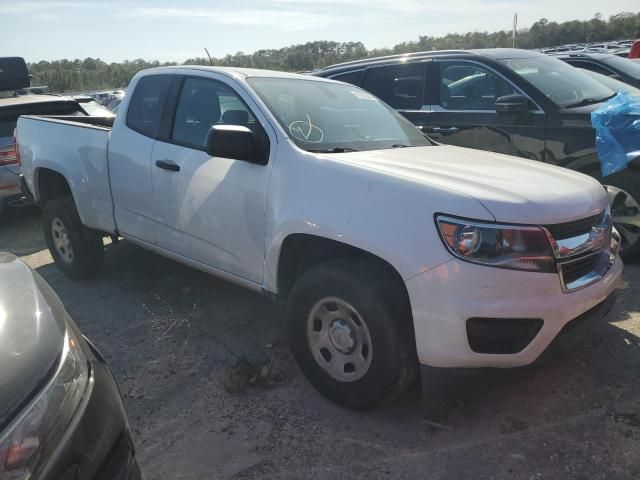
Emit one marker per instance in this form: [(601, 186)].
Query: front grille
[(577, 269), (561, 231)]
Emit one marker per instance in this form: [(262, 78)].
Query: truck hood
[(514, 190), (31, 335)]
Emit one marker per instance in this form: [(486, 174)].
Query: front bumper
[(444, 298), (97, 445)]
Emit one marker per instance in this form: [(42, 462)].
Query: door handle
[(445, 129), (168, 165)]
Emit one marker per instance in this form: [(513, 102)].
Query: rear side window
[(401, 86), (8, 121), (349, 77), (147, 103)]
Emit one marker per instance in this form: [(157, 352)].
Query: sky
[(179, 29)]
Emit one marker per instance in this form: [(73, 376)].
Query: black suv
[(606, 64), (511, 101)]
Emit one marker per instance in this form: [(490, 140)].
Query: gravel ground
[(212, 392)]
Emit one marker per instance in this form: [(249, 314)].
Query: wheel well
[(300, 252), (51, 184)]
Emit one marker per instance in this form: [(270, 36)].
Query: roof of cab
[(238, 72)]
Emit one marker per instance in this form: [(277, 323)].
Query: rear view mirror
[(514, 103), (232, 141)]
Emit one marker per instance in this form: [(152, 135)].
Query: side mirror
[(232, 141), (514, 103)]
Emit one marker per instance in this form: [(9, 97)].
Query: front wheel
[(623, 189), (351, 339), (77, 251)]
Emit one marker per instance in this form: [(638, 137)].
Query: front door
[(211, 209), (464, 112)]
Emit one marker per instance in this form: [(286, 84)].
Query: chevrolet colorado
[(390, 251)]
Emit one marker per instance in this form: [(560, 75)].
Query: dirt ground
[(173, 337)]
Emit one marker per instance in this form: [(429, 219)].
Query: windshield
[(623, 65), (561, 83), (613, 84), (327, 116)]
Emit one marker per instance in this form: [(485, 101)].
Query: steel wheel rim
[(339, 339), (625, 212), (61, 240)]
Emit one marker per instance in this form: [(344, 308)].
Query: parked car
[(91, 107), (114, 104), (390, 251), (14, 77), (61, 415), (100, 97), (10, 109), (510, 101), (605, 63)]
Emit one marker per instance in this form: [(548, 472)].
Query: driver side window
[(465, 86), (203, 103)]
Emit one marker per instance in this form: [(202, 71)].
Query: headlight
[(38, 429), (502, 246)]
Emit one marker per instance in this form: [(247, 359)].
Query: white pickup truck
[(390, 251)]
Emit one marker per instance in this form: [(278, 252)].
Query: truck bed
[(77, 148)]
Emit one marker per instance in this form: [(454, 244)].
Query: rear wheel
[(351, 338), (623, 189), (77, 251)]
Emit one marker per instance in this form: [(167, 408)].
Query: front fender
[(385, 215)]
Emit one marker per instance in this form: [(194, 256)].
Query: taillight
[(9, 155), (15, 142)]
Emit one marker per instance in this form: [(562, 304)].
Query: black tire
[(386, 314), (86, 245), (629, 181)]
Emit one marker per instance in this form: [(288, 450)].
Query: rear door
[(403, 87), (211, 209), (130, 150), (464, 112)]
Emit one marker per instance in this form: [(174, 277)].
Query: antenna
[(210, 61)]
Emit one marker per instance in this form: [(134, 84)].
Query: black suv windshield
[(563, 84), (322, 116)]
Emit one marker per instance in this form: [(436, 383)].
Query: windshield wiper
[(399, 145), (334, 150), (590, 101)]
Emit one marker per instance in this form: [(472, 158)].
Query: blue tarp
[(617, 124)]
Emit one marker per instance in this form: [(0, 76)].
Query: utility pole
[(515, 28), (210, 61)]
